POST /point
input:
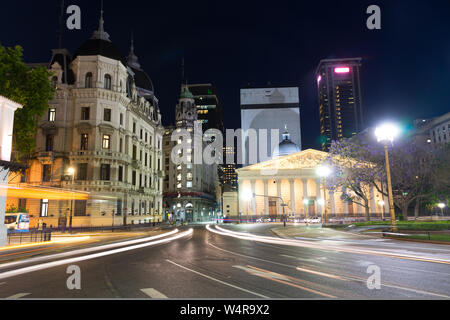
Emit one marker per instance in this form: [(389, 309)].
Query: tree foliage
[(30, 87), (419, 172)]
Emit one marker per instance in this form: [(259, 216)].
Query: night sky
[(406, 67)]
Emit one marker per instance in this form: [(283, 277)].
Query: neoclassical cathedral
[(102, 136)]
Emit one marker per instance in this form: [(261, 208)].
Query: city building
[(268, 108), (209, 107), (297, 185), (102, 135), (340, 102), (189, 188), (229, 175), (434, 131), (230, 204)]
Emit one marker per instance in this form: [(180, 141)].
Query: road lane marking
[(87, 250), (47, 265), (18, 296), (323, 274), (314, 245), (354, 278), (269, 275), (302, 259), (217, 280), (154, 294)]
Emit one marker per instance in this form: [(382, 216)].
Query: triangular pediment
[(301, 160)]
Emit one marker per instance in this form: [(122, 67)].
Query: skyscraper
[(340, 106), (209, 108)]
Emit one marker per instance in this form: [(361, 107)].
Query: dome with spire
[(141, 78), (100, 44), (286, 147)]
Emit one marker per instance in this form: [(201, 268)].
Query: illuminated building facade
[(340, 104), (209, 107), (189, 188), (229, 177), (102, 135)]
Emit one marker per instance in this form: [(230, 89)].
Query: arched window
[(107, 82), (88, 80), (54, 81)]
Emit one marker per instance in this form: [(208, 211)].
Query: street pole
[(71, 207), (325, 201), (389, 185)]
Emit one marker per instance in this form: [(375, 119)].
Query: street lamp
[(323, 172), (441, 206), (71, 172), (387, 133), (382, 203), (247, 196)]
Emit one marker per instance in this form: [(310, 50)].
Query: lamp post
[(71, 172), (441, 206), (247, 197), (385, 134), (323, 172)]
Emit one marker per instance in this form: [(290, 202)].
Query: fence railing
[(32, 236), (111, 228)]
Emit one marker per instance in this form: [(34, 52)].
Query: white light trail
[(87, 250), (315, 245), (47, 265)]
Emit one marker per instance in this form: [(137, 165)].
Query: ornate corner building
[(103, 136)]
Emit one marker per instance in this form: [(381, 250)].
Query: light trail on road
[(315, 245), (47, 265)]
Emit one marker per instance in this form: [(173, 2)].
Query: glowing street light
[(441, 206), (323, 172), (387, 133)]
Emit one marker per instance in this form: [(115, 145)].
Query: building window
[(133, 178), (46, 172), (146, 157), (84, 142), (146, 136), (107, 115), (80, 208), (85, 113), (134, 152), (105, 170), (106, 141), (88, 80), (121, 119), (107, 82), (44, 208), (52, 114), (120, 178), (142, 134), (134, 127), (121, 145), (82, 171), (189, 184), (49, 142)]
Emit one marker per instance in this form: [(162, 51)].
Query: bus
[(19, 222)]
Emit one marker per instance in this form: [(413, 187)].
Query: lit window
[(189, 184), (52, 114), (106, 141), (107, 82), (44, 208)]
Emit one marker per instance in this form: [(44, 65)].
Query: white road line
[(87, 250), (219, 281), (47, 265), (153, 293), (18, 296)]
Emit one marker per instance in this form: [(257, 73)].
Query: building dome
[(286, 147), (99, 44)]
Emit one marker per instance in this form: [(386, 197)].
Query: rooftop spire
[(100, 33), (132, 58)]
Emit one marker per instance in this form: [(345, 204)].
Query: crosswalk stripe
[(18, 296), (153, 293)]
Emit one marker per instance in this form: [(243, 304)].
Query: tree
[(30, 87), (353, 172)]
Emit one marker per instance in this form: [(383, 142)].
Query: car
[(315, 220), (17, 221)]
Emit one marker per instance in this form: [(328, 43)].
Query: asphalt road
[(209, 265)]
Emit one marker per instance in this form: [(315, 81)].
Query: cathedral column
[(305, 196), (292, 189), (252, 182), (279, 201), (266, 197)]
